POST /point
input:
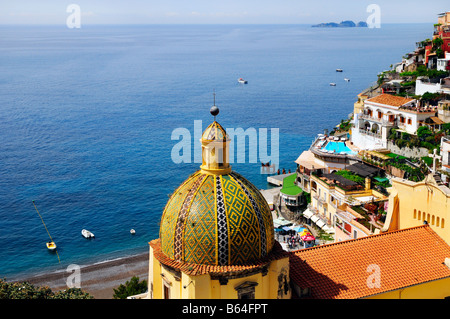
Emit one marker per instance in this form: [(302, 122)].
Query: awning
[(315, 218), (307, 213), (328, 230), (320, 223), (286, 228)]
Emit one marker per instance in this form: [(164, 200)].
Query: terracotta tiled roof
[(388, 99), (341, 270), (199, 269)]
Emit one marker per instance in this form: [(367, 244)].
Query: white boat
[(242, 81), (339, 70), (347, 80), (87, 234), (132, 232), (332, 84)]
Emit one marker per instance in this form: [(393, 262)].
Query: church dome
[(216, 220), (216, 217)]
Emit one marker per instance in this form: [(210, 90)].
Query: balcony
[(369, 133)]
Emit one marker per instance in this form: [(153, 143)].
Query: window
[(415, 214), (355, 234), (166, 292), (420, 214), (246, 290), (437, 221), (442, 223), (409, 122)]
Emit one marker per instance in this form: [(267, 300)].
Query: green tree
[(132, 287), (423, 132), (25, 290)]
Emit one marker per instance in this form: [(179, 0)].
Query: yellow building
[(358, 107), (412, 204), (332, 193), (217, 235)]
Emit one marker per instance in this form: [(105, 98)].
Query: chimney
[(367, 183), (447, 262)]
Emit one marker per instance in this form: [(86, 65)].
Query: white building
[(383, 112), (423, 86), (443, 63), (445, 154)]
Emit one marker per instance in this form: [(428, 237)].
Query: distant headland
[(343, 24)]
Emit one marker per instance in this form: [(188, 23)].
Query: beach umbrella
[(304, 232), (308, 237), (299, 229)]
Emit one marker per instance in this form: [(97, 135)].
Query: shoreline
[(97, 279)]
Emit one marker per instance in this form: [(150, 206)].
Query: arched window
[(432, 220), (442, 223), (415, 214), (437, 221), (420, 214)]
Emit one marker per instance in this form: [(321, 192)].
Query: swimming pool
[(338, 147)]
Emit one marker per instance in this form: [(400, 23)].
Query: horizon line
[(200, 23)]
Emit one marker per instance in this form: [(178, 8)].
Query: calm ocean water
[(86, 118)]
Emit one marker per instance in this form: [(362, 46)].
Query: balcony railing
[(369, 133)]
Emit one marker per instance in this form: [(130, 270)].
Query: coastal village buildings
[(383, 112)]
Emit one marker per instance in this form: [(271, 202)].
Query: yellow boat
[(51, 245)]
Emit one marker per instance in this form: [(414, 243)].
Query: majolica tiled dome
[(216, 217), (216, 220)]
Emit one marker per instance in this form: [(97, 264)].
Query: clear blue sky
[(215, 11)]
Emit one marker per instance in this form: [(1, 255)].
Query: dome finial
[(214, 109)]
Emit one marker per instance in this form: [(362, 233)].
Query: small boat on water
[(339, 70), (87, 234), (51, 245), (347, 80), (132, 232), (242, 81), (332, 84)]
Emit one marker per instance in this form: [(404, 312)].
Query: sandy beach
[(98, 279)]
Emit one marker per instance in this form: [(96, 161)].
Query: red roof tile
[(388, 99), (341, 270)]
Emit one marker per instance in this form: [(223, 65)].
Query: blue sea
[(87, 115)]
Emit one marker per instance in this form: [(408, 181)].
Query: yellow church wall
[(418, 202), (203, 287), (438, 289)]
